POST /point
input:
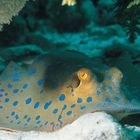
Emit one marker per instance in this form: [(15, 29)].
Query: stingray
[(56, 89)]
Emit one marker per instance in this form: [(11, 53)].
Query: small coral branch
[(69, 2)]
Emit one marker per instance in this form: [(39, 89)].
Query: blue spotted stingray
[(56, 89)]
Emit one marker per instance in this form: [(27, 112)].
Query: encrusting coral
[(10, 8)]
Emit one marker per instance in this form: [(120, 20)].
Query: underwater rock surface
[(92, 126)]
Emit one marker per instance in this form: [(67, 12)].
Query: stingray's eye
[(79, 76), (83, 74)]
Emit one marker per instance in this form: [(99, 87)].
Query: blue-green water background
[(106, 30)]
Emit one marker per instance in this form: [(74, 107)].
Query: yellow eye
[(83, 74)]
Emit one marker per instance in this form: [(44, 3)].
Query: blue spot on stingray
[(19, 122), (37, 117), (37, 122), (35, 127), (36, 105), (25, 86), (83, 107), (40, 82), (17, 75), (1, 90), (98, 92), (72, 106), (89, 99), (12, 113), (25, 116), (15, 90), (69, 113), (108, 100), (1, 107), (1, 95), (46, 123), (16, 117), (40, 126), (64, 107), (7, 117), (79, 100), (9, 85), (52, 124), (32, 71), (29, 119), (62, 97), (47, 105), (28, 101), (6, 100), (55, 111), (61, 123), (60, 117), (109, 87), (15, 103)]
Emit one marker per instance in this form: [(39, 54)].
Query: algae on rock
[(134, 2)]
